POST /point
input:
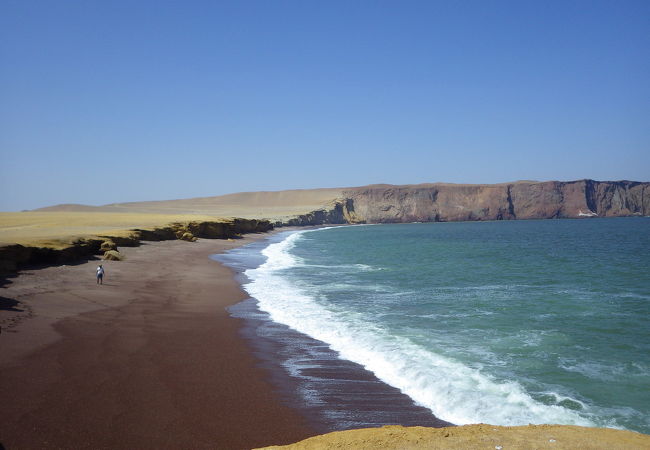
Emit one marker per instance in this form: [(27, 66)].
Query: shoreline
[(314, 370), (151, 359), (332, 393)]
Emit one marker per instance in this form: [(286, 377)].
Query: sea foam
[(451, 390)]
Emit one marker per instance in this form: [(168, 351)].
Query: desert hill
[(431, 202), (279, 205)]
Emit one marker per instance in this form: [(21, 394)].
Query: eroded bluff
[(455, 202)]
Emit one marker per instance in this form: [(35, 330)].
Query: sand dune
[(258, 205)]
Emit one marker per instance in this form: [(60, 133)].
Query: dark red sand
[(151, 359)]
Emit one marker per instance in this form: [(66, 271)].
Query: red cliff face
[(522, 200)]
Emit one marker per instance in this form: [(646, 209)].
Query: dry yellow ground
[(276, 205), (55, 228), (58, 225), (476, 437)]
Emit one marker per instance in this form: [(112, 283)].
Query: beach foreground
[(479, 436), (150, 359)]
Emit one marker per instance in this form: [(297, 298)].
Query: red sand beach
[(150, 359)]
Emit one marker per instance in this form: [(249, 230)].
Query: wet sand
[(150, 359)]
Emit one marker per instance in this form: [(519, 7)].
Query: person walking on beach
[(100, 274)]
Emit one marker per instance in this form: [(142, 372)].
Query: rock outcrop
[(13, 257), (508, 201), (340, 211), (108, 245), (112, 255), (479, 436)]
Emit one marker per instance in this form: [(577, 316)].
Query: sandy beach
[(149, 359), (152, 359)]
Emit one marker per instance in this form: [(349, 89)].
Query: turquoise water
[(500, 322)]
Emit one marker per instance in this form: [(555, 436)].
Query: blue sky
[(117, 101)]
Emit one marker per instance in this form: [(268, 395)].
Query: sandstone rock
[(15, 256), (113, 255), (108, 245), (461, 202), (187, 236), (479, 436)]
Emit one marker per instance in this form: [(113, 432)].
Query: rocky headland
[(431, 202), (509, 201), (261, 211)]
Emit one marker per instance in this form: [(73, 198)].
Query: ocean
[(507, 323)]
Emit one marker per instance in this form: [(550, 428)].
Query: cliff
[(409, 203), (13, 257), (339, 211), (508, 201), (439, 202)]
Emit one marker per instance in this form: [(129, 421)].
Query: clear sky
[(112, 101)]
